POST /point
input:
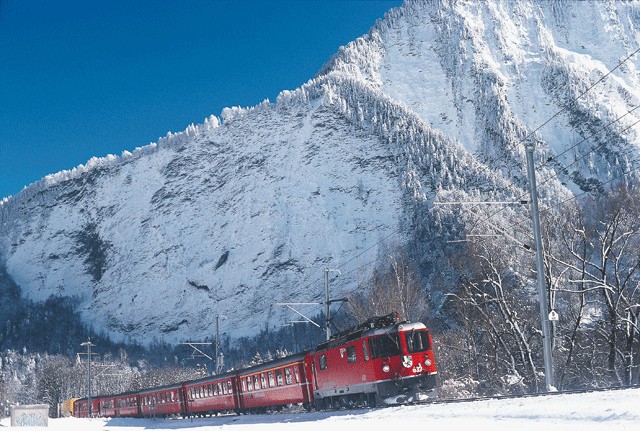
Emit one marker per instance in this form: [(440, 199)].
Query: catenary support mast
[(542, 289)]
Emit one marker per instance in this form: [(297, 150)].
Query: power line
[(584, 139), (567, 106), (555, 174)]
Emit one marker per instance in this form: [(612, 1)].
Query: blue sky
[(90, 78)]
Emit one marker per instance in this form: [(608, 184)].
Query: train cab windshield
[(384, 346), (417, 341)]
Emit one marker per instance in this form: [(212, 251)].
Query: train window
[(322, 361), (272, 382), (224, 388), (263, 381), (365, 350), (249, 383), (351, 354), (279, 377), (209, 390), (417, 341), (244, 385), (384, 346), (256, 382), (229, 387), (173, 397), (296, 373), (219, 389), (287, 375)]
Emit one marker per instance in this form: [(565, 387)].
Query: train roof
[(212, 378), (280, 362), (372, 327), (160, 388), (411, 326)]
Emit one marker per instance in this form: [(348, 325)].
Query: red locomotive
[(382, 361)]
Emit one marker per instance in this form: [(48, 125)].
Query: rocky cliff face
[(238, 213)]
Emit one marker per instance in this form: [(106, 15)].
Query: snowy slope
[(488, 73), (614, 410), (246, 210)]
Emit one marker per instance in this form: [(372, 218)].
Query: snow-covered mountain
[(243, 211)]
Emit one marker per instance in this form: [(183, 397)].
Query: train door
[(311, 375), (182, 397)]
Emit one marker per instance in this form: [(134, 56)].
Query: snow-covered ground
[(611, 410)]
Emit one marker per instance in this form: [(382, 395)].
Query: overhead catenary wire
[(574, 197), (566, 106), (555, 174)]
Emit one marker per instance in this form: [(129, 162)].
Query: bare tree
[(603, 263), (494, 306), (394, 287)]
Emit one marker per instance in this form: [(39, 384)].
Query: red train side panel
[(122, 405), (162, 401), (81, 407), (275, 384), (212, 395)]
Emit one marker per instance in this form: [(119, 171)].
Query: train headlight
[(385, 368), (427, 362)]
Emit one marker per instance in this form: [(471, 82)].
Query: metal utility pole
[(327, 301), (219, 357), (88, 344), (542, 289)]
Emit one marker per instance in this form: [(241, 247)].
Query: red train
[(382, 361)]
